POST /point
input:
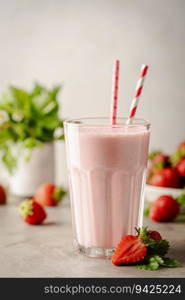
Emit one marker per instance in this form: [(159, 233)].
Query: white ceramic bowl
[(153, 192)]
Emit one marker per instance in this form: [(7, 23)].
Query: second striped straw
[(115, 85), (137, 94)]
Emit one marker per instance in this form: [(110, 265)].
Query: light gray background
[(74, 42)]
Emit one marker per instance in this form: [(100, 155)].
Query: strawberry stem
[(142, 232)]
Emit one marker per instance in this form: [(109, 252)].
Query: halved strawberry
[(130, 249)]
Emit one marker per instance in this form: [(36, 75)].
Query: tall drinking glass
[(107, 173)]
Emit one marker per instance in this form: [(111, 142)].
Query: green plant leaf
[(155, 262), (32, 119)]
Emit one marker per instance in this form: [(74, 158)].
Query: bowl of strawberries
[(166, 174)]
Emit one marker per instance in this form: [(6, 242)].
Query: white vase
[(29, 174)]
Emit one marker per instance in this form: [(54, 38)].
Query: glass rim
[(77, 122)]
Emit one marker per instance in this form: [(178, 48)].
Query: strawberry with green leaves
[(160, 171), (49, 194), (32, 212), (146, 250), (159, 160)]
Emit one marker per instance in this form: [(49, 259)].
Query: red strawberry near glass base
[(135, 248), (164, 209), (32, 212), (130, 249), (2, 195), (146, 251), (49, 194)]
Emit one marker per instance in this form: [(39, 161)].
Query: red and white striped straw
[(137, 93), (115, 85)]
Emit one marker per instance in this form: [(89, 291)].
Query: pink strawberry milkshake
[(107, 167)]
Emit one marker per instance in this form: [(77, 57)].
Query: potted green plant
[(29, 125)]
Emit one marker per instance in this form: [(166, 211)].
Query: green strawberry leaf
[(177, 156), (158, 247), (159, 259), (156, 251), (159, 165), (59, 194), (151, 263), (170, 262), (153, 154), (155, 262), (26, 208), (154, 247), (181, 199), (151, 266), (146, 211)]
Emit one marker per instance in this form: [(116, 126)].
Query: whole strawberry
[(160, 161), (165, 178), (2, 195), (32, 212), (49, 194), (157, 161), (155, 235), (165, 208)]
